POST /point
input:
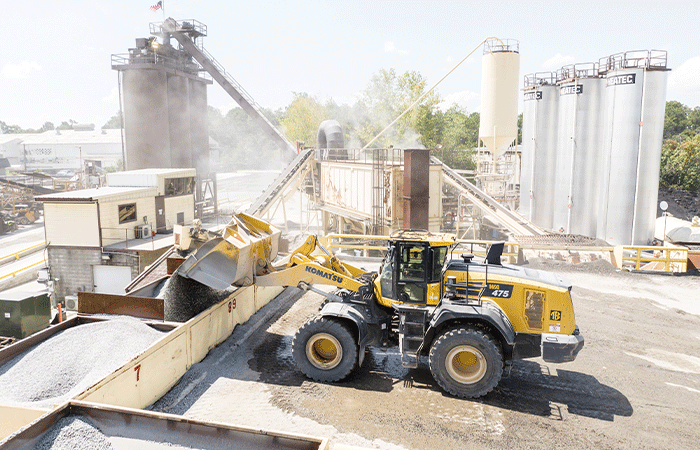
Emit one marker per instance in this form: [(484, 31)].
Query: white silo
[(577, 174), (498, 127), (540, 101), (635, 96)]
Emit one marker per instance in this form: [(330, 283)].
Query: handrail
[(511, 249), (661, 259), (13, 274), (16, 255)]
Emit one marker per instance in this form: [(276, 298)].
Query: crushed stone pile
[(184, 298), (73, 433), (681, 204), (71, 361)]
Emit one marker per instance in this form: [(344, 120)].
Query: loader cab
[(411, 273)]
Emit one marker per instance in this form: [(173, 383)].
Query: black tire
[(23, 221), (324, 350), (466, 362)]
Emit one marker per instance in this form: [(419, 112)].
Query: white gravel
[(73, 433), (71, 361)]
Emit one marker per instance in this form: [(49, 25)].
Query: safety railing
[(14, 274), (540, 79), (634, 59), (128, 236), (17, 255), (184, 25), (365, 243), (579, 70), (501, 45), (651, 259), (144, 56)]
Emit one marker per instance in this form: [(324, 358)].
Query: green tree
[(115, 122), (385, 98), (10, 129), (66, 125), (302, 117), (680, 164), (675, 119)]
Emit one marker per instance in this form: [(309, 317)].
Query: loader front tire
[(466, 362), (324, 349)]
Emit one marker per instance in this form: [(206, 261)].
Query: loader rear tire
[(324, 350), (466, 362)]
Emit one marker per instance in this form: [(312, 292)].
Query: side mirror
[(403, 297)]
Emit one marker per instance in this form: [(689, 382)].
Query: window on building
[(127, 213), (179, 186)]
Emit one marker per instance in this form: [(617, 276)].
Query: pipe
[(330, 136)]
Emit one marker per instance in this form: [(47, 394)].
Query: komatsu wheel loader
[(470, 318)]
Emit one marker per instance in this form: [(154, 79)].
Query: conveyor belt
[(230, 85), (278, 187), (512, 221)]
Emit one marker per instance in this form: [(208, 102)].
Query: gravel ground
[(71, 361), (682, 204), (635, 384)]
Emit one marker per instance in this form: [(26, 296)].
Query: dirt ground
[(635, 384)]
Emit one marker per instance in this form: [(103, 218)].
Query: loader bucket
[(214, 264), (245, 250)]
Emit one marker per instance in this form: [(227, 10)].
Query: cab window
[(412, 263), (439, 256), (387, 278)]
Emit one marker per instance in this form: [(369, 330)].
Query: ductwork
[(330, 143)]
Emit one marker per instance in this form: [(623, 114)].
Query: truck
[(471, 319)]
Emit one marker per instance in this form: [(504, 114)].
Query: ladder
[(412, 322), (230, 85)]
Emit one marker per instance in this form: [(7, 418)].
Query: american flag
[(157, 6)]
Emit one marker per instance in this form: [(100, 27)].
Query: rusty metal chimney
[(416, 188)]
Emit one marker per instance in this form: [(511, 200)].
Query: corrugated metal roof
[(146, 177), (109, 193), (73, 137)]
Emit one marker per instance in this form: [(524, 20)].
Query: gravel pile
[(598, 267), (71, 361), (74, 433), (184, 298), (682, 204)]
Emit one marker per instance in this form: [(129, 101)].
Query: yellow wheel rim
[(324, 351), (466, 364)]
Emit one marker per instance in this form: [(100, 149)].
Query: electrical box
[(23, 313)]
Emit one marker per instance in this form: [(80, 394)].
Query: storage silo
[(577, 173), (635, 96), (146, 118), (199, 129), (540, 104), (179, 116), (498, 126)]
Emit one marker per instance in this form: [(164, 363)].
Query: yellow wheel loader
[(470, 318)]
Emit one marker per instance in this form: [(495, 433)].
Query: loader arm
[(312, 263)]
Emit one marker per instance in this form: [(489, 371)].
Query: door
[(160, 214), (412, 273), (111, 279)]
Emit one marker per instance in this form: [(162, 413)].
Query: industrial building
[(55, 150), (100, 239)]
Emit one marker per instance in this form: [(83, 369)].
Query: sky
[(55, 55)]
